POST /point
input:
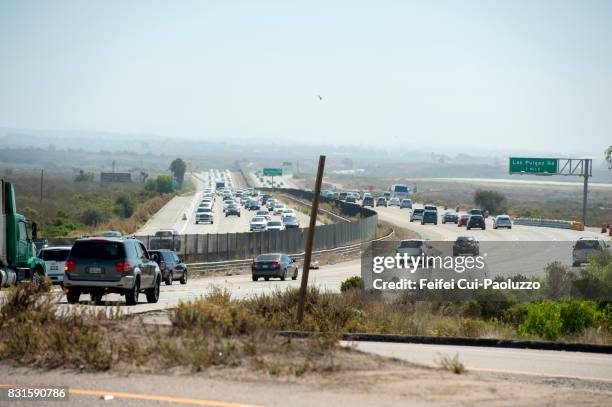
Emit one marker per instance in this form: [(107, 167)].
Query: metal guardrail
[(223, 265), (549, 223)]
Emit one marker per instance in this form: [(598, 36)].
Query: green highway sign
[(273, 172), (528, 165), (287, 164)]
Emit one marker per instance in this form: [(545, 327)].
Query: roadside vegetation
[(74, 203)]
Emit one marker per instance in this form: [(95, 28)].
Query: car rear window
[(97, 249), (411, 243), (274, 223), (419, 210), (54, 254), (163, 233), (587, 244), (268, 257)]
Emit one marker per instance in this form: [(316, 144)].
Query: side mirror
[(34, 231)]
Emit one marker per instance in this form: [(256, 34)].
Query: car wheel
[(295, 275), (131, 296), (575, 264), (197, 222), (284, 276), (73, 295), (468, 228), (255, 278), (183, 279), (168, 280), (267, 278), (96, 297), (153, 292)]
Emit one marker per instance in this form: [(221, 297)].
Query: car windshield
[(54, 254), (96, 249), (164, 233), (268, 257), (587, 244), (465, 239), (411, 243)]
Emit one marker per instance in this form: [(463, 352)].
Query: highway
[(171, 215), (527, 362)]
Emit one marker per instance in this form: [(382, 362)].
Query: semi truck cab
[(18, 261)]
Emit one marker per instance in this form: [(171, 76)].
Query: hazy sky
[(514, 74)]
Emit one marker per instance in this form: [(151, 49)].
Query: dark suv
[(171, 266), (99, 266), (466, 245), (476, 221)]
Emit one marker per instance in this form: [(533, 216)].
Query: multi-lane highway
[(180, 212), (537, 363)]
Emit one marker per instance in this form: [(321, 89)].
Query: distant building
[(115, 177)]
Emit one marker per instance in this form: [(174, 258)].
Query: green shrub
[(352, 283), (544, 320), (552, 319)]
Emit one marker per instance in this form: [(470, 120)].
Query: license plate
[(95, 270), (264, 266), (53, 267)]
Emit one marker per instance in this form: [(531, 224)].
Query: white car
[(276, 225), (205, 215), (417, 214), (414, 248), (278, 208), (287, 211), (55, 260), (258, 223), (502, 221), (394, 202)]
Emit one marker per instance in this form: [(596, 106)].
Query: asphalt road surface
[(574, 365)]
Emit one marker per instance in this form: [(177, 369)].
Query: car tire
[(73, 295), (183, 279), (267, 278), (467, 227), (295, 275), (153, 292), (284, 276), (168, 280), (197, 222), (255, 278), (131, 296)]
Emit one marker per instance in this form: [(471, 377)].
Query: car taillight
[(70, 265), (253, 266), (276, 266), (122, 267)]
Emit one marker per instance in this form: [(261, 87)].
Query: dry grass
[(453, 364)]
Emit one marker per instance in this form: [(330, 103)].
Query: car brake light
[(122, 267), (253, 266), (70, 265), (276, 266)]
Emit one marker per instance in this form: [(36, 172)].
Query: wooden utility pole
[(311, 232)]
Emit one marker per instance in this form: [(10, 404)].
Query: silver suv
[(584, 247), (99, 266)]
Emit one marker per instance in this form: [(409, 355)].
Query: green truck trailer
[(18, 261)]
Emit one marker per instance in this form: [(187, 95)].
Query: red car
[(463, 220)]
